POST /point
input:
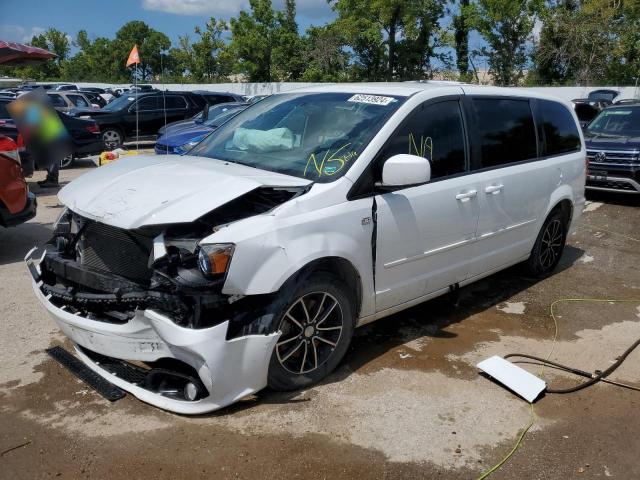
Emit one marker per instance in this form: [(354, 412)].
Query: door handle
[(494, 189), (463, 197)]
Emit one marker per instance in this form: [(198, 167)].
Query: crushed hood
[(153, 190)]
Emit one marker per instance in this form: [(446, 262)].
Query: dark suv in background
[(153, 109), (613, 150)]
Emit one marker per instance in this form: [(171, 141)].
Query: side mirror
[(405, 170)]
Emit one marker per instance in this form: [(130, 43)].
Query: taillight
[(9, 149), (92, 128)]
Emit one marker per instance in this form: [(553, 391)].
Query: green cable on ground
[(553, 344)]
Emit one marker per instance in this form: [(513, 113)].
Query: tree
[(506, 26), (289, 49), (150, 43), (206, 64), (252, 37), (462, 25), (579, 41), (391, 39), (326, 58), (94, 61)]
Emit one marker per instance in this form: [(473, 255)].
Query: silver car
[(65, 101)]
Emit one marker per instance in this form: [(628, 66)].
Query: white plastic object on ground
[(523, 383)]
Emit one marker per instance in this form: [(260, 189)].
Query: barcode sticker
[(371, 99)]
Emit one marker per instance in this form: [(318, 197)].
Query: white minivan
[(192, 281)]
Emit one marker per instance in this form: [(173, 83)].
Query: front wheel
[(317, 326), (549, 246)]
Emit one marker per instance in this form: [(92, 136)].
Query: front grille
[(619, 157), (612, 184), (115, 250)]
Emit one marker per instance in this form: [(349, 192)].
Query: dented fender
[(270, 249)]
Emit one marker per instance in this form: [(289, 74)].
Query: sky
[(21, 19)]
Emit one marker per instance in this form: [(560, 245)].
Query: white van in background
[(250, 260)]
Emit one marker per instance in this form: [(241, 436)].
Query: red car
[(17, 203)]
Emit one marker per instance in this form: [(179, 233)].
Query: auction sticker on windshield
[(371, 99)]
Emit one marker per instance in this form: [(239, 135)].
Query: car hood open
[(139, 191)]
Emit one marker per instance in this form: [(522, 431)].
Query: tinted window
[(174, 102), (505, 131), (78, 101), (434, 132), (560, 131), (148, 103), (57, 101), (4, 113)]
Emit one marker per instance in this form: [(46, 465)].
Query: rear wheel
[(549, 245), (112, 138), (67, 161), (317, 324)]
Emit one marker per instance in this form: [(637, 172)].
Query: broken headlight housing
[(214, 259)]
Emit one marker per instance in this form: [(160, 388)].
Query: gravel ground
[(407, 401)]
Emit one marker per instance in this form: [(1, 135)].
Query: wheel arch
[(334, 265)]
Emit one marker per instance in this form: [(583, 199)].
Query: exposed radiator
[(116, 251)]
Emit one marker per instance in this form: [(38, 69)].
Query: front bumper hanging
[(227, 370)]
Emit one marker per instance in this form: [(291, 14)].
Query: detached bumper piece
[(84, 373)]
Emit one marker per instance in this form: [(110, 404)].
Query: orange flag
[(134, 57)]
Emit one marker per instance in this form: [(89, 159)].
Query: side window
[(57, 101), (505, 131), (148, 104), (560, 131), (434, 132), (78, 101), (174, 102), (4, 113)]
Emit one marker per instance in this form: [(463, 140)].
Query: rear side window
[(560, 131), (57, 101), (148, 103), (434, 132), (78, 101), (175, 102), (4, 113), (504, 130)]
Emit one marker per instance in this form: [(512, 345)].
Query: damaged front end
[(145, 309)]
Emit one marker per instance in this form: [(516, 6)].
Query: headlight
[(214, 259), (63, 223)]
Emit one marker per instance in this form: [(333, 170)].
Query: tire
[(317, 324), (549, 246), (112, 138), (67, 161)]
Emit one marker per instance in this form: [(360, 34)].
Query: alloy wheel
[(111, 138), (551, 246), (311, 329), (66, 161)]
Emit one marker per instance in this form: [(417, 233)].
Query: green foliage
[(506, 26), (391, 39), (580, 42)]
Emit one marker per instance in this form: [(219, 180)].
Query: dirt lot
[(407, 401)]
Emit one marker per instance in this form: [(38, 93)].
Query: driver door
[(425, 233)]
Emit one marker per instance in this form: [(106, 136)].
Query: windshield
[(120, 103), (623, 122), (316, 136), (220, 117)]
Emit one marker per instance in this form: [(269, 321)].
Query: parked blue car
[(181, 138)]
